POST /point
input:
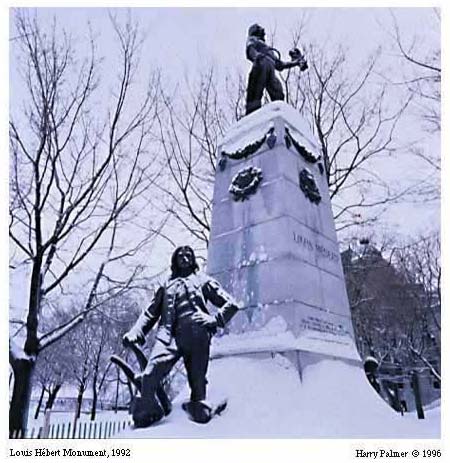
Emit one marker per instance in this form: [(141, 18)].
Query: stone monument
[(288, 361), (286, 364), (273, 241)]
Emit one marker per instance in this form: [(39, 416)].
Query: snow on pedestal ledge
[(266, 399), (258, 123), (276, 337)]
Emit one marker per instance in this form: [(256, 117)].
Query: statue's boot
[(146, 411), (202, 412), (198, 411), (161, 395)]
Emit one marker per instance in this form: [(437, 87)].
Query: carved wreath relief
[(308, 186), (245, 183)]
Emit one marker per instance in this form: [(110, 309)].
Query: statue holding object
[(265, 61)]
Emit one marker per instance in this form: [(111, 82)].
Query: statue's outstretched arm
[(146, 320)]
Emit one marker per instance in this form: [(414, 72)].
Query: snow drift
[(267, 399)]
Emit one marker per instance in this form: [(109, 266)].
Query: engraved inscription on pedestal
[(318, 248), (323, 326)]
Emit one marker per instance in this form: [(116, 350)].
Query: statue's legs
[(193, 341), (147, 409), (262, 75), (255, 86), (273, 86)]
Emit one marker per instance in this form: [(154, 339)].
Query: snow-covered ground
[(266, 399)]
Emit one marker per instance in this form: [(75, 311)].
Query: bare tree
[(419, 68), (106, 328), (355, 119), (420, 263), (189, 131), (422, 68), (51, 373), (78, 174), (92, 344), (78, 358)]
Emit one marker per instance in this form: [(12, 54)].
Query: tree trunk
[(417, 397), (117, 392), (24, 367), (52, 396), (20, 402), (81, 390), (94, 398), (38, 408)]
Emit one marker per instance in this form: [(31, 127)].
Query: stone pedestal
[(273, 244)]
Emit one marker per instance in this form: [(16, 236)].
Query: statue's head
[(183, 262), (256, 30)]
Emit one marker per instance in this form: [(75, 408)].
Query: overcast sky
[(188, 38)]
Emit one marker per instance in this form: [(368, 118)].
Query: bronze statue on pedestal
[(265, 61)]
